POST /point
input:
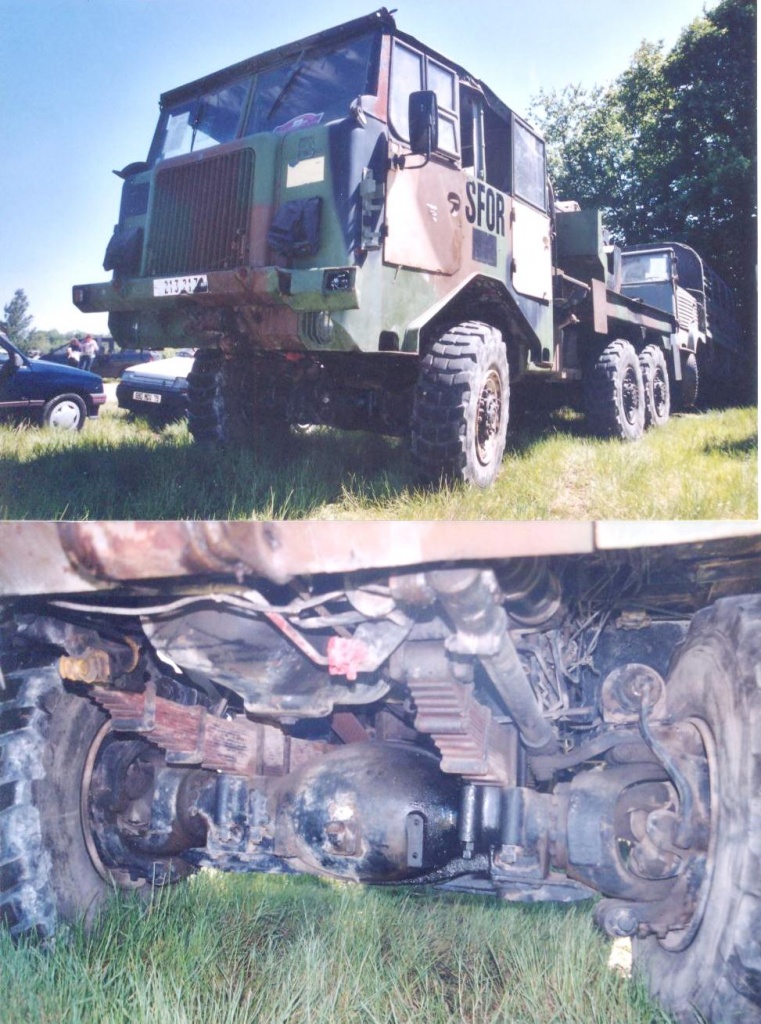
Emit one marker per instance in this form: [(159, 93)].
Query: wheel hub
[(630, 393), (489, 418), (66, 416), (121, 785), (96, 782), (659, 395), (669, 842)]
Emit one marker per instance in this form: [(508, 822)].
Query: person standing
[(90, 349), (74, 352)]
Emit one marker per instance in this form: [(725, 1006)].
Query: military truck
[(528, 711), (355, 231), (672, 276)]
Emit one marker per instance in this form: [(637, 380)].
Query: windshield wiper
[(297, 69)]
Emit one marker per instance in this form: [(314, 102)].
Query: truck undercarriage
[(535, 712)]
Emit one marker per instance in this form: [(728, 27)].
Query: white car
[(157, 389)]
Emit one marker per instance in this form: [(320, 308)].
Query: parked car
[(55, 396), (158, 390), (111, 361)]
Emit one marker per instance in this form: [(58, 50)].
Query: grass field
[(278, 950), (700, 466)]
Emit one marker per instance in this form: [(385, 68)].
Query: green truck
[(354, 231), (673, 277)]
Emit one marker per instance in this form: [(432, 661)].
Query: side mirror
[(424, 123)]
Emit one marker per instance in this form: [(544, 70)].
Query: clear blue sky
[(81, 80)]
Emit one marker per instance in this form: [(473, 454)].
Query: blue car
[(55, 396)]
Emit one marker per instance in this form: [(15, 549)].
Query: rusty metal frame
[(48, 558)]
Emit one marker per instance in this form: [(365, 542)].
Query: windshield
[(316, 87), (201, 121), (643, 268), (319, 86)]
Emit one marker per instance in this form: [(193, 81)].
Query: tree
[(713, 169), (668, 152), (18, 322), (602, 149)]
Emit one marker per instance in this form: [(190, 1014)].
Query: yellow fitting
[(94, 666)]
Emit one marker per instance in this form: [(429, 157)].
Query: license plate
[(145, 396), (192, 284)]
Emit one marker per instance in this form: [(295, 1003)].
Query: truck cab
[(652, 275), (284, 194), (673, 277)]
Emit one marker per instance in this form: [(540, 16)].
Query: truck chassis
[(531, 713)]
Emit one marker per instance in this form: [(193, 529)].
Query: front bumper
[(313, 289), (277, 309), (173, 404)]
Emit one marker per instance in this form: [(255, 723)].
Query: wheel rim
[(660, 395), (489, 418), (630, 396), (114, 876), (65, 415), (681, 939)]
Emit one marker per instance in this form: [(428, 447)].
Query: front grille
[(686, 310), (200, 217)]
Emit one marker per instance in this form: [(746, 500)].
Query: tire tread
[(439, 434), (26, 899), (725, 987), (601, 392)]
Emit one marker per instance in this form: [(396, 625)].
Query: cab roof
[(382, 18)]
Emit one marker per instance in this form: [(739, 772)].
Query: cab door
[(531, 234), (424, 220), (424, 229)]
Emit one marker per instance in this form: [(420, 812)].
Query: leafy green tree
[(711, 73), (602, 150), (18, 321), (669, 150)]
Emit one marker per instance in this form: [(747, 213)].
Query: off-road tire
[(655, 381), (204, 396), (64, 412), (615, 396), (688, 388), (708, 358), (46, 873), (716, 684), (223, 403), (460, 413)]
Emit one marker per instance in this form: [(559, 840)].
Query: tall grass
[(700, 466), (274, 950)]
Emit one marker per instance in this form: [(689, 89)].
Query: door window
[(412, 71), (529, 168)]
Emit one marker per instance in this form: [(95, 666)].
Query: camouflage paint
[(408, 244)]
